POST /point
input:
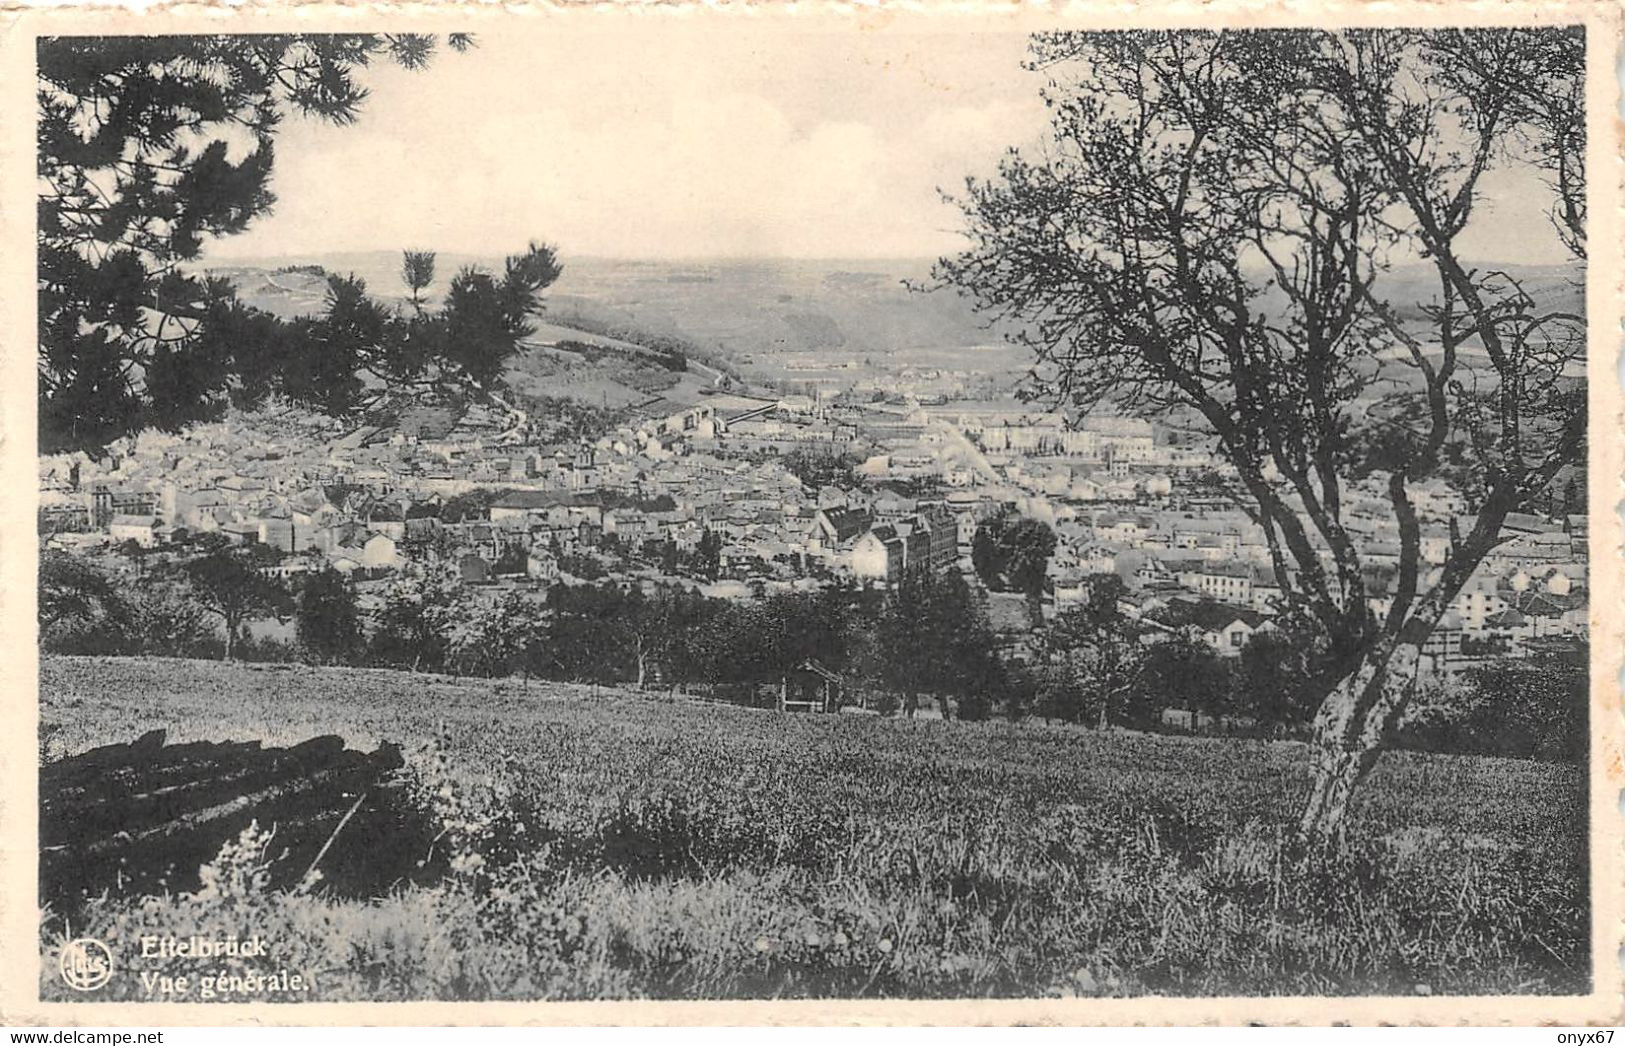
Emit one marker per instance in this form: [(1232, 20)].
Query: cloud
[(671, 142), (639, 157)]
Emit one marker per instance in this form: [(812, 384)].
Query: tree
[(359, 351), (822, 468), (650, 629), (1020, 692), (497, 638), (1269, 679), (136, 553), (417, 272), (1214, 227), (605, 634), (1096, 661), (231, 586), (327, 621), (1011, 552), (686, 655), (1180, 672), (413, 626), (903, 636), (162, 618), (71, 588), (135, 139), (708, 555), (931, 638), (513, 559)]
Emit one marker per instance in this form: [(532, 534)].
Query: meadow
[(608, 844)]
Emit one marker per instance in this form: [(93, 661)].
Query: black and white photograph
[(906, 507)]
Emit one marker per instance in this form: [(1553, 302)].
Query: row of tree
[(924, 641), (925, 638)]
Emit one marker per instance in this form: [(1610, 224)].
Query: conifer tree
[(148, 148)]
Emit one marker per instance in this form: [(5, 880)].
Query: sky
[(679, 141)]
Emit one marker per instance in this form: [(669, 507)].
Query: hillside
[(830, 323), (772, 320), (703, 851), (767, 308)]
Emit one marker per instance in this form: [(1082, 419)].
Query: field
[(621, 845)]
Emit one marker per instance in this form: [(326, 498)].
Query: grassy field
[(621, 845)]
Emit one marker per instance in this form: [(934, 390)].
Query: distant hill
[(760, 314), (738, 307), (1553, 287)]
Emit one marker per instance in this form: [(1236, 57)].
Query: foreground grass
[(613, 845)]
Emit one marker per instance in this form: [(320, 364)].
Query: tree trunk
[(1338, 770), (1349, 730)]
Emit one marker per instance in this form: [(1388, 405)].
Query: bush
[(1535, 709)]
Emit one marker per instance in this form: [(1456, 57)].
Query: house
[(1224, 628), (242, 484), (290, 567), (243, 532), (105, 503), (484, 540), (834, 527), (1550, 613), (937, 522), (1267, 594), (381, 550), (143, 530), (421, 533), (810, 687), (277, 533), (879, 555), (541, 565), (63, 518), (347, 538), (388, 520), (1225, 582), (916, 546), (891, 506), (1441, 651), (1528, 523), (1435, 546), (517, 504), (1185, 719), (833, 497), (311, 510), (1478, 600)]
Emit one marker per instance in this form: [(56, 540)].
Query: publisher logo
[(86, 964)]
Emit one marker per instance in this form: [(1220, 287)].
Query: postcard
[(810, 514)]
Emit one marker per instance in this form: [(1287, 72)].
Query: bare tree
[(1214, 224)]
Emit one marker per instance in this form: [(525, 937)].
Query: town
[(740, 496)]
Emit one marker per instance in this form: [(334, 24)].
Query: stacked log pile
[(142, 817)]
